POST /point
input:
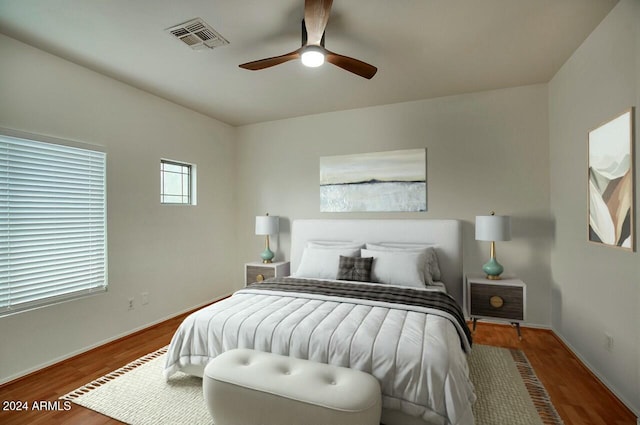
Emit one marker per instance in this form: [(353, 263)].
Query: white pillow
[(405, 268), (432, 268), (323, 263), (403, 245), (334, 244)]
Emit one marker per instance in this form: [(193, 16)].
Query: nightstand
[(504, 299), (257, 272)]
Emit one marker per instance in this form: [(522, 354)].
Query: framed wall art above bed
[(391, 181)]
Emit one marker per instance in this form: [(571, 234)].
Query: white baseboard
[(598, 375), (535, 326), (103, 342), (506, 323)]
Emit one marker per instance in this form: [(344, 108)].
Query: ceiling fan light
[(313, 56)]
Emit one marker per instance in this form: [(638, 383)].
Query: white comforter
[(414, 352)]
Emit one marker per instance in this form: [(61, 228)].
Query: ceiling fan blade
[(316, 16), (356, 66), (269, 62)]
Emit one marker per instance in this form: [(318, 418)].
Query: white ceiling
[(422, 48)]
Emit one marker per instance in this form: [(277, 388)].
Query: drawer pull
[(496, 301), (259, 278)]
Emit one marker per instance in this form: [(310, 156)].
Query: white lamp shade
[(267, 224), (493, 228)]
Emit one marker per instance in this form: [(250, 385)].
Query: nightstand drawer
[(258, 273), (500, 301)]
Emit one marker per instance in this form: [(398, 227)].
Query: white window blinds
[(52, 223)]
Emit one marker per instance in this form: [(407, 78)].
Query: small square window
[(177, 183)]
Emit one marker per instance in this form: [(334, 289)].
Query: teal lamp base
[(267, 256), (493, 269)]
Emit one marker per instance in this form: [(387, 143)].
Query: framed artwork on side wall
[(612, 183)]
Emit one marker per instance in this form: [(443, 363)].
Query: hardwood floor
[(577, 395), (57, 380)]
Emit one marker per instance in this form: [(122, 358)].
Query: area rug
[(509, 393), (508, 390)]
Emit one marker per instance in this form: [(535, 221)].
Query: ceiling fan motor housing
[(305, 37)]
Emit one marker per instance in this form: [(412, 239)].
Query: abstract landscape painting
[(379, 181), (611, 183)]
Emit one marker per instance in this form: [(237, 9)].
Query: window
[(177, 183), (52, 223)]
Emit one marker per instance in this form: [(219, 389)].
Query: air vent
[(197, 34)]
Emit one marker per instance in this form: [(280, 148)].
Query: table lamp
[(267, 225), (493, 228)]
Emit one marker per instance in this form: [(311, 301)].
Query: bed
[(411, 337)]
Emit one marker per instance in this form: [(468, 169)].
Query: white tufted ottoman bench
[(247, 387)]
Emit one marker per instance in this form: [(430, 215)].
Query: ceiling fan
[(313, 53)]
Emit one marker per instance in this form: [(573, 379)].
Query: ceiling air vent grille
[(197, 34)]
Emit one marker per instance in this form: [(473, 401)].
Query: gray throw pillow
[(355, 268)]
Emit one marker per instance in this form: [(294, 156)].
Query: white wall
[(596, 290), (179, 255), (485, 151)]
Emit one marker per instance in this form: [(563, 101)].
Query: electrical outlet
[(130, 303), (145, 298), (608, 342)]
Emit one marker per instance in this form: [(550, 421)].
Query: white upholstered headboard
[(445, 234)]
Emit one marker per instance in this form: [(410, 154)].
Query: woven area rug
[(508, 390), (509, 393)]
